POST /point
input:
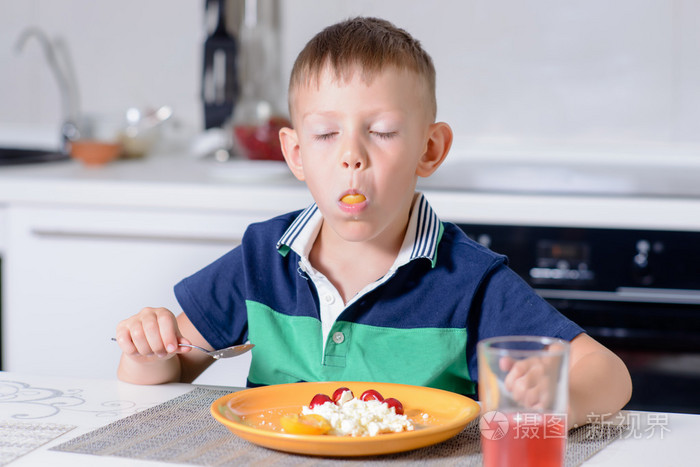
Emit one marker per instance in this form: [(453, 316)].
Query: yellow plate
[(254, 415)]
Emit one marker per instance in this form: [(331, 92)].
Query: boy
[(365, 284)]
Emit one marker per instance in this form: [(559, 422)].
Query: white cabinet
[(71, 274)]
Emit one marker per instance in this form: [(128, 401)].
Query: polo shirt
[(419, 324), (420, 241)]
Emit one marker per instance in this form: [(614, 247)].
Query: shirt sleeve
[(213, 300), (506, 305)]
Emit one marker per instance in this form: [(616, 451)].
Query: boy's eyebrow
[(333, 113), (325, 113)]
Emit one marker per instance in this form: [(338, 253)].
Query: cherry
[(398, 406), (338, 393), (371, 395), (319, 399)]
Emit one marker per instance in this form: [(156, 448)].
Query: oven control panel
[(560, 261), (600, 264)]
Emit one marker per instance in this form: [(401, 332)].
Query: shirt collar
[(421, 240)]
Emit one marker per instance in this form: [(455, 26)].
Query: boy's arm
[(599, 382), (192, 364), (160, 329)]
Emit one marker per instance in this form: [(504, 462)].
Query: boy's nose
[(353, 156), (352, 164)]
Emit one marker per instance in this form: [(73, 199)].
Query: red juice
[(523, 439)]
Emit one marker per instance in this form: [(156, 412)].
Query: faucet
[(65, 77)]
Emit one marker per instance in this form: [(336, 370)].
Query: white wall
[(126, 53), (578, 73), (589, 74)]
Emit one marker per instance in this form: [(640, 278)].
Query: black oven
[(635, 291)]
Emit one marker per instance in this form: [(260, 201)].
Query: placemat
[(182, 431), (20, 438)]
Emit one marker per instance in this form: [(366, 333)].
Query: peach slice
[(312, 424)]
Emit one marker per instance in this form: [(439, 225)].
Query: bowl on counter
[(105, 136), (95, 153), (142, 130), (98, 142)]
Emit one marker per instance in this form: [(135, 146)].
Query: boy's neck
[(350, 266)]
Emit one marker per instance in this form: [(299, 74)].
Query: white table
[(85, 403), (660, 439)]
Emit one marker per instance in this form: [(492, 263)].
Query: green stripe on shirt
[(288, 349)]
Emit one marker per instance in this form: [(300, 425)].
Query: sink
[(15, 156)]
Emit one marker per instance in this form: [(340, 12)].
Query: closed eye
[(384, 135), (324, 136)]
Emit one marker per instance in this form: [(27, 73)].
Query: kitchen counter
[(87, 404), (461, 191), (160, 181)]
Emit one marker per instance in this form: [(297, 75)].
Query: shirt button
[(329, 298), (338, 337)]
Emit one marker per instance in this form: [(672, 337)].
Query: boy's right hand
[(151, 334)]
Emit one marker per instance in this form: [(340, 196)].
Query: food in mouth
[(345, 415), (353, 198)]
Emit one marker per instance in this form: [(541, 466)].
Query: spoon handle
[(195, 347), (217, 354), (114, 339)]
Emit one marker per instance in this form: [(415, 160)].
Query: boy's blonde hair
[(364, 43)]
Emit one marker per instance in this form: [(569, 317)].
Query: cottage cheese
[(354, 417)]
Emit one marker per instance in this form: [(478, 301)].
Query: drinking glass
[(523, 390)]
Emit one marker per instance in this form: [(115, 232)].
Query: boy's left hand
[(532, 382)]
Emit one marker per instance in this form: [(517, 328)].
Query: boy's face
[(360, 147)]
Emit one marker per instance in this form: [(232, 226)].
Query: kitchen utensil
[(219, 80), (257, 118), (228, 352)]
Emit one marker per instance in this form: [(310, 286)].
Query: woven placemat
[(182, 431), (20, 438)]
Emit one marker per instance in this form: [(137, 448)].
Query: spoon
[(228, 352)]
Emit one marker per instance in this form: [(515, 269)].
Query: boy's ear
[(289, 143), (439, 142)]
